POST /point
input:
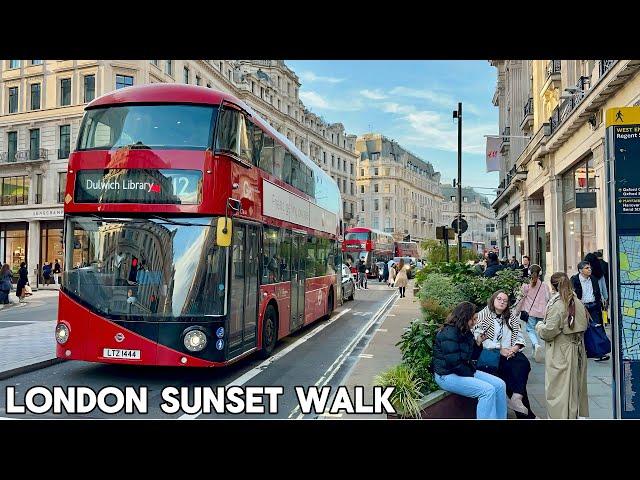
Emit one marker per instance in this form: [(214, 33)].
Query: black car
[(348, 283)]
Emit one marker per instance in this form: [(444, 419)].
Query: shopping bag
[(27, 290), (605, 317), (596, 341)]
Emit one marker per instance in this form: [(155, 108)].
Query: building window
[(262, 93), (387, 171), (13, 99), (333, 161), (375, 171), (374, 156), (186, 75), (491, 227), (155, 62), (375, 204), (362, 205), (324, 157), (38, 198), (361, 188), (168, 67), (362, 172), (208, 85), (12, 146), (387, 204), (35, 96), (288, 109), (453, 198), (198, 80), (123, 81), (62, 186), (14, 63), (464, 199), (279, 104), (375, 188), (65, 141), (36, 62), (89, 88), (15, 190), (65, 91), (34, 144), (339, 163), (352, 192)]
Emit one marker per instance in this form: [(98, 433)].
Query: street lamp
[(458, 114)]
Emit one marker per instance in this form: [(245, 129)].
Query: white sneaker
[(515, 403), (538, 354)]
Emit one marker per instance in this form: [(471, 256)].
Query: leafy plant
[(438, 254), (416, 345), (407, 386), (440, 288), (479, 289)]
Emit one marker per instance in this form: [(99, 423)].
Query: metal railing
[(24, 156), (553, 67), (568, 105), (505, 138), (528, 108), (605, 65)]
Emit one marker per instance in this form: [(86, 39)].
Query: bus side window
[(311, 184), (266, 155), (245, 137), (286, 169), (258, 144), (310, 265), (227, 139), (278, 161), (296, 176)]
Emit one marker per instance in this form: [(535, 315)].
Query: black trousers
[(515, 373)]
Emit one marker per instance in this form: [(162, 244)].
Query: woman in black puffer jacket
[(453, 351)]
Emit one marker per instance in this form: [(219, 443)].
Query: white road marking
[(335, 366), (365, 355), (244, 378), (383, 330)]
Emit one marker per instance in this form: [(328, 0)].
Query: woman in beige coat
[(401, 278), (563, 330)]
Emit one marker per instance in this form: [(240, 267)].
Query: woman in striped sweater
[(501, 325)]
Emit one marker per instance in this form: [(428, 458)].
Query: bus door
[(298, 255), (243, 288)]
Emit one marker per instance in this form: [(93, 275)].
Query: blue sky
[(411, 102)]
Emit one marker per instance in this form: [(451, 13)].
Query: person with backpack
[(46, 273), (5, 283)]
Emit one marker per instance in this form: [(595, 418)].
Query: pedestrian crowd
[(480, 354), (50, 274)]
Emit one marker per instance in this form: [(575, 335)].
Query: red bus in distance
[(149, 278), (405, 249), (368, 244)]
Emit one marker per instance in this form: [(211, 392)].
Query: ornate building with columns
[(542, 207)]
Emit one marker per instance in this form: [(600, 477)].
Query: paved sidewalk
[(27, 344), (381, 354)]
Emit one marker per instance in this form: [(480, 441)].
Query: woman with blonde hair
[(563, 330), (401, 278), (532, 307)]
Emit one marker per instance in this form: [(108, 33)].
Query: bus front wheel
[(269, 332)]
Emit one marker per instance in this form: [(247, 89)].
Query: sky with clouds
[(411, 102)]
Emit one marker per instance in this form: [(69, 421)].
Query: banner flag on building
[(493, 154)]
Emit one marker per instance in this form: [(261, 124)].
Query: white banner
[(493, 154)]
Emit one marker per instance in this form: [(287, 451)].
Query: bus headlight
[(195, 340), (62, 333)]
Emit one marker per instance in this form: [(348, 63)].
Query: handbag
[(524, 315), (489, 359), (27, 290), (596, 341)]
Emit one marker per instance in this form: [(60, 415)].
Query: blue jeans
[(531, 330), (490, 391)]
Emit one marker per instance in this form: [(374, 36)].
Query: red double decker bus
[(195, 233), (406, 249), (368, 244)]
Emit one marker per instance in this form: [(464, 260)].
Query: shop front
[(14, 244)]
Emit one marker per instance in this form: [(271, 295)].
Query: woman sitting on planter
[(501, 326), (453, 350)]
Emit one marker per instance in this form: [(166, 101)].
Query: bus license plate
[(120, 353)]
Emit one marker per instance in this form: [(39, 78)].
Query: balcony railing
[(528, 108), (24, 156), (568, 105), (553, 67), (605, 65), (506, 132)]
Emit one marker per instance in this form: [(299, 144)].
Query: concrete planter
[(444, 405)]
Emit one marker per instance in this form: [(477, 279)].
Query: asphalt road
[(320, 354)]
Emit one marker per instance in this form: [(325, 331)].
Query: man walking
[(362, 274), (588, 291)]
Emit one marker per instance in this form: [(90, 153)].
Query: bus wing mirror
[(224, 230)]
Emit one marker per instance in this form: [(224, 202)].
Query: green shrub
[(479, 289), (407, 388), (416, 345), (441, 289)]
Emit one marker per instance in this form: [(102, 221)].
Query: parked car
[(380, 266), (348, 283)]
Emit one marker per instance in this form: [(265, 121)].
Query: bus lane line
[(245, 377)]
